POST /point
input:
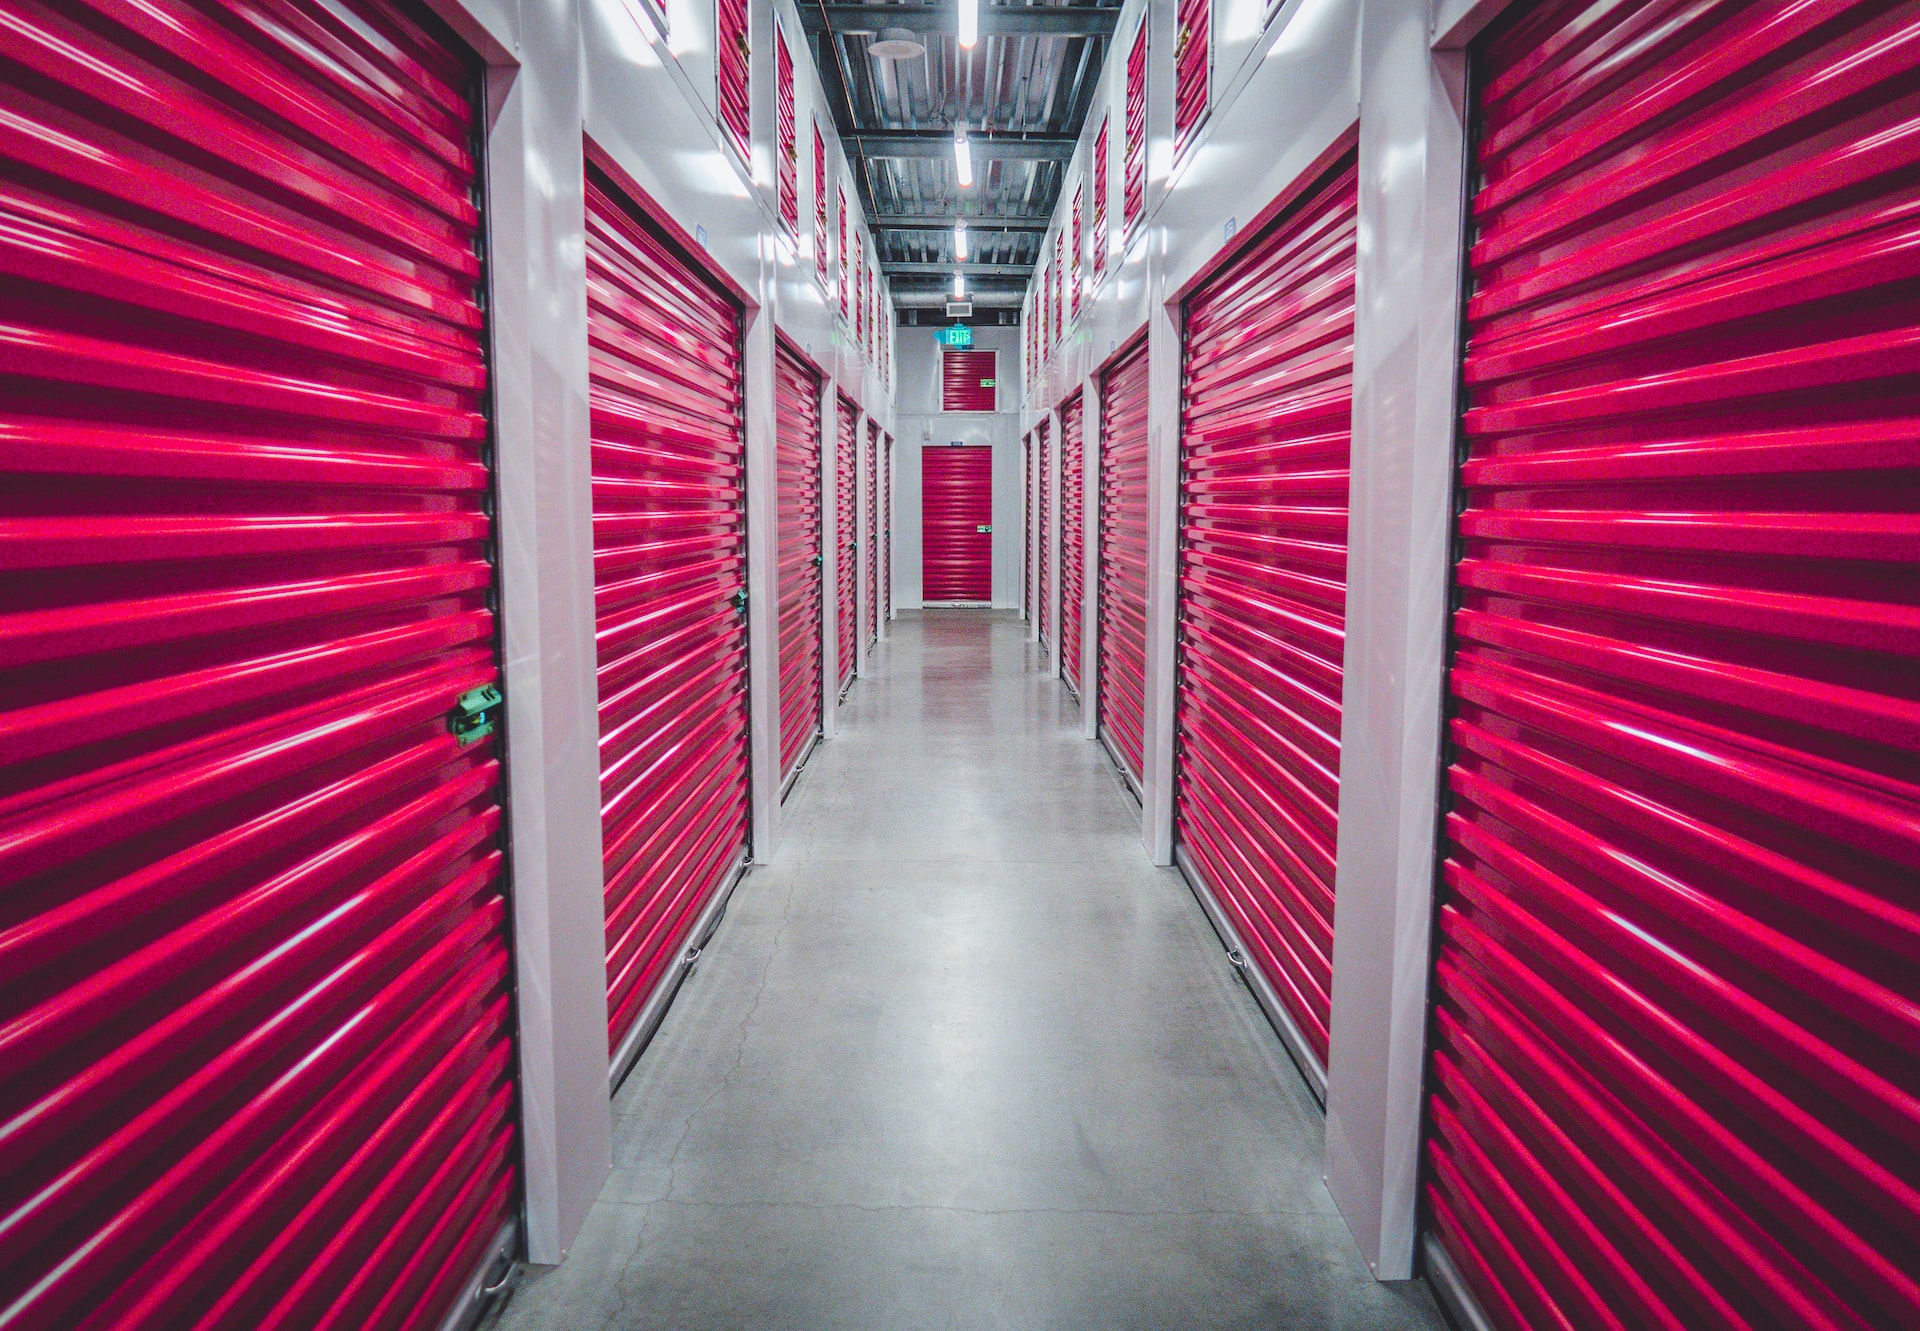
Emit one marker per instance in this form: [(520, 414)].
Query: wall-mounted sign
[(957, 336)]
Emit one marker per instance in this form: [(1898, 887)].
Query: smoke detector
[(896, 44)]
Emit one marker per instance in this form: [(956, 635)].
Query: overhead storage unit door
[(956, 523), (873, 531), (1123, 557), (886, 528), (1072, 540), (1027, 463), (1045, 620), (1675, 1028), (796, 406), (846, 558), (1265, 416), (256, 1028), (669, 571)]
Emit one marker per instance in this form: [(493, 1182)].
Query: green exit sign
[(957, 336)]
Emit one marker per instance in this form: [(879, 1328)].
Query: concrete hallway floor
[(960, 1057)]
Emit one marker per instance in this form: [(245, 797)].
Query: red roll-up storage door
[(872, 506), (1192, 69), (1266, 418), (886, 528), (1676, 1031), (956, 523), (255, 1017), (1045, 620), (1027, 464), (733, 72), (669, 565), (1133, 150), (1122, 698), (796, 423), (1072, 540), (846, 558), (969, 380), (786, 136)]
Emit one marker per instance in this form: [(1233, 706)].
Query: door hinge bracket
[(475, 714)]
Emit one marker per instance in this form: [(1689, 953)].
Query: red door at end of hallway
[(1265, 437), (1676, 985), (1122, 697), (255, 989), (796, 428), (669, 561), (1072, 538), (846, 565), (956, 524)]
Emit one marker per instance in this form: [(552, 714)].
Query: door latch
[(475, 713), (819, 561), (740, 600), (984, 527)]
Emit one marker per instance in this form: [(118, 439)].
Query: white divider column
[(536, 221), (763, 583), (1412, 145), (1163, 572), (1090, 414)]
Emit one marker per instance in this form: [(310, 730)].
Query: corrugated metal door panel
[(1060, 280), (1027, 464), (1133, 162), (1123, 557), (1042, 437), (956, 506), (669, 561), (787, 136), (1100, 238), (1079, 251), (845, 467), (969, 380), (1266, 417), (1677, 992), (846, 282), (820, 233), (1192, 68), (796, 407), (873, 532), (254, 1008), (734, 61), (1072, 540), (886, 528)]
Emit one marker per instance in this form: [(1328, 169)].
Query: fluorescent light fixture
[(959, 284), (960, 240), (963, 155), (969, 23)]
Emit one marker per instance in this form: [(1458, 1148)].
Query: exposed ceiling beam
[(995, 20), (989, 145), (1019, 270), (945, 221), (926, 300)]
